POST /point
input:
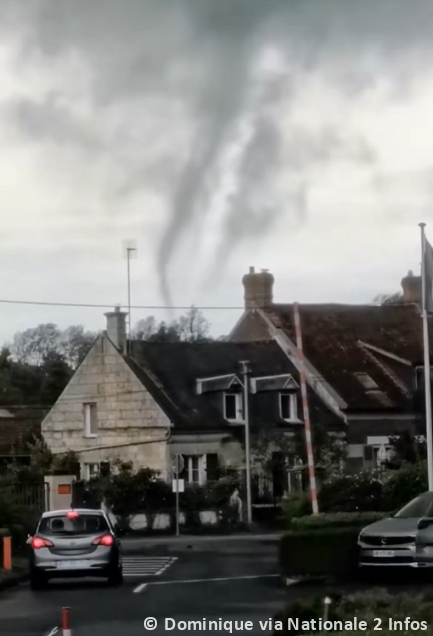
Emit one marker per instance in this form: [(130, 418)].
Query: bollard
[(66, 621), (7, 553), (327, 602)]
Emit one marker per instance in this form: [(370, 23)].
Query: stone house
[(146, 402), (364, 362)]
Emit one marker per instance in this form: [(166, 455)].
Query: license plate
[(383, 553), (69, 565)]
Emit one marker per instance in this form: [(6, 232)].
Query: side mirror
[(424, 523)]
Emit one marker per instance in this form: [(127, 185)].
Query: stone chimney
[(412, 288), (116, 328), (258, 288)]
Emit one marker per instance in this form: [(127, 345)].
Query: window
[(193, 471), (366, 381), (289, 406), (91, 470), (82, 524), (372, 453), (90, 420), (104, 469), (233, 410)]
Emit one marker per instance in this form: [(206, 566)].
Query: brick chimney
[(116, 328), (258, 288), (412, 288)]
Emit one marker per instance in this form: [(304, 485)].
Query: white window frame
[(88, 472), (293, 406), (201, 468), (376, 449), (87, 414), (238, 406)]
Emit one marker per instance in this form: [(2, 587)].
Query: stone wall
[(127, 414)]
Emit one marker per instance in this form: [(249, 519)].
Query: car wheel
[(38, 581), (115, 578)]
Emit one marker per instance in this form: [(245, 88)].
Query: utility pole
[(247, 441), (129, 251)]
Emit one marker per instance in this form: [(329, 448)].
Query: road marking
[(226, 578), (137, 590), (53, 631), (146, 566)]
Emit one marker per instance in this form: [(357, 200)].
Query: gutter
[(111, 446)]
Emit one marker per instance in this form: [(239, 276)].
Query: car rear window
[(83, 524)]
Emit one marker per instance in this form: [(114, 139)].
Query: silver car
[(74, 543), (405, 539)]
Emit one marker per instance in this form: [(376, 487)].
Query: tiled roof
[(332, 341), (170, 372)]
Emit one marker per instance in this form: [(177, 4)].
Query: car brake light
[(72, 514), (38, 543), (106, 540)]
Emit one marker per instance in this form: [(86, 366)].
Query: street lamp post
[(247, 441)]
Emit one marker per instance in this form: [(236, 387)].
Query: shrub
[(330, 552), (366, 606), (405, 484), (336, 520), (305, 609), (348, 492), (296, 505)]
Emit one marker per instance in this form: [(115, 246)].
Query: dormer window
[(233, 407), (289, 407)]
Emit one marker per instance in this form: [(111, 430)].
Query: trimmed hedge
[(330, 552), (366, 606), (336, 520)]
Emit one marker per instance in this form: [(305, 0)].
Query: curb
[(13, 580)]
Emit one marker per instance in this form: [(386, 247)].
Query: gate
[(266, 500), (32, 499)]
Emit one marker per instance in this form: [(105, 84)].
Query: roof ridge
[(153, 379)]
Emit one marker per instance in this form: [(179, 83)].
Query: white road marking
[(226, 578), (137, 590), (146, 566), (53, 631)]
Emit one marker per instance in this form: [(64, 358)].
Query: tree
[(75, 343), (191, 327), (389, 299), (56, 374), (33, 345)]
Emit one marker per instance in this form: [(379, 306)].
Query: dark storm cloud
[(201, 52)]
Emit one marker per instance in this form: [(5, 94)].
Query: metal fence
[(32, 499)]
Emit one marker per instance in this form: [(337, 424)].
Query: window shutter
[(184, 473), (368, 453), (212, 466), (104, 469)]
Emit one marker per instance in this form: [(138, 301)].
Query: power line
[(110, 305)]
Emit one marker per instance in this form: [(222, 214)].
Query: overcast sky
[(293, 135)]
